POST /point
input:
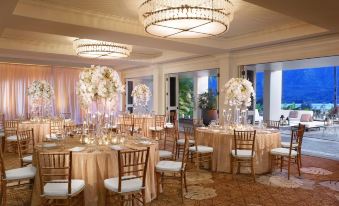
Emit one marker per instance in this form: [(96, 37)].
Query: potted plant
[(208, 105)]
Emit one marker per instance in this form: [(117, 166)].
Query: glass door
[(172, 93)]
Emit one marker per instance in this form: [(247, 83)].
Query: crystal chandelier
[(101, 49), (186, 18)]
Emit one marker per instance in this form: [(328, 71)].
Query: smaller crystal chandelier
[(186, 18), (101, 49)]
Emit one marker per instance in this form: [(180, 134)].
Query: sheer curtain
[(15, 78)]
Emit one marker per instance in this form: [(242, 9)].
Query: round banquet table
[(96, 166), (222, 143), (40, 129), (148, 122)]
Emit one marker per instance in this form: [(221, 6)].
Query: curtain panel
[(14, 81)]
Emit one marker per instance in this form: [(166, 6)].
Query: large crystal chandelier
[(100, 49), (186, 18)]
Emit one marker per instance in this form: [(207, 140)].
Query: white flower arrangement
[(97, 83), (141, 95), (238, 92), (40, 90)]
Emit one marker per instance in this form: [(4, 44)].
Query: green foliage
[(290, 107), (259, 107), (186, 97), (208, 100)]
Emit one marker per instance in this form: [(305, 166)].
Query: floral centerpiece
[(141, 95), (41, 94), (238, 93), (100, 85)]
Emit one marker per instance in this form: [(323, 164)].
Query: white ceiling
[(42, 30)]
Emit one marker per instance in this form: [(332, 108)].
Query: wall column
[(272, 91)]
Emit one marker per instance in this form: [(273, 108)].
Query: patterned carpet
[(319, 185)]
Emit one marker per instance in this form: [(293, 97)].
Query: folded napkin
[(77, 149)]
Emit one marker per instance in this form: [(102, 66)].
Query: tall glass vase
[(236, 116)]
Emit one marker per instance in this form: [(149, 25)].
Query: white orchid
[(238, 92), (141, 94)]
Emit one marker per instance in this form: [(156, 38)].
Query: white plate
[(146, 142), (49, 145), (203, 128), (117, 147), (77, 149)]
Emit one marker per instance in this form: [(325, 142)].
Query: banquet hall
[(155, 102)]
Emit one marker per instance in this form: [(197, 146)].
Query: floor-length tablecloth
[(95, 167), (222, 144)]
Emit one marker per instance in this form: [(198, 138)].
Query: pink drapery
[(15, 78)]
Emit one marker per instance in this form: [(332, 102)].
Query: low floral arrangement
[(141, 95), (97, 83), (238, 92)]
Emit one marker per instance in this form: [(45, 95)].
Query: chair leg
[(232, 166), (158, 184), (281, 163), (107, 202), (185, 181), (298, 165), (3, 200), (182, 187), (252, 168), (289, 167)]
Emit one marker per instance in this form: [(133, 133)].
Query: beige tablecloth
[(222, 143), (40, 129), (95, 167)]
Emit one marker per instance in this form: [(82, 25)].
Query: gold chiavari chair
[(130, 185), (138, 125), (126, 126), (70, 130), (11, 128), (26, 146), (200, 153), (181, 141), (166, 167), (2, 131), (56, 127), (292, 154), (168, 144), (243, 153), (13, 178), (56, 183), (273, 124), (159, 123)]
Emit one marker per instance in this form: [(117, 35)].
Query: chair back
[(169, 141), (297, 137), (126, 126), (132, 163), (2, 171), (55, 167), (244, 140), (11, 127), (56, 126), (138, 124), (25, 144), (185, 154), (273, 124), (70, 129), (2, 122), (159, 121)]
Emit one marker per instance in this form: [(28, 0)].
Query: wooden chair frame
[(4, 182), (130, 163), (273, 124), (26, 144), (10, 128), (159, 123), (243, 140), (198, 157), (170, 142), (138, 125), (2, 129), (182, 173), (56, 126), (52, 166), (296, 138)]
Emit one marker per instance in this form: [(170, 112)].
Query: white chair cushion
[(283, 152), (51, 136), (12, 138), (157, 129), (246, 154), (2, 134), (131, 185), (21, 173), (165, 154), (28, 159), (201, 149), (168, 166), (182, 141), (287, 145), (169, 125), (61, 189)]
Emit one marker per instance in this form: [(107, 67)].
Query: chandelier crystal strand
[(101, 49), (186, 18)]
